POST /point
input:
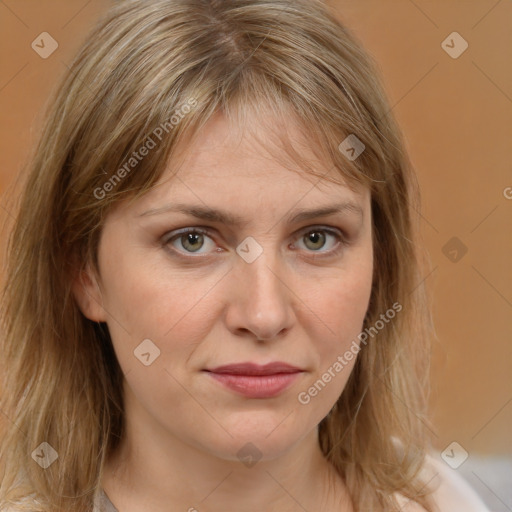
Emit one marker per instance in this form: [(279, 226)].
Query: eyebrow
[(227, 218)]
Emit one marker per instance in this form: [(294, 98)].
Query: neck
[(153, 470)]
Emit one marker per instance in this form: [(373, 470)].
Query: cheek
[(340, 304), (150, 301)]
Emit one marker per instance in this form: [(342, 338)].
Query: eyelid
[(339, 234), (175, 234), (333, 231)]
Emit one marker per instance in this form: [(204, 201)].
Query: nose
[(261, 302)]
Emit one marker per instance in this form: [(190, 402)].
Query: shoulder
[(449, 490), (15, 508), (22, 506), (101, 503)]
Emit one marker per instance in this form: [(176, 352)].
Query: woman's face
[(277, 285)]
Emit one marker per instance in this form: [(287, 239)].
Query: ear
[(88, 295)]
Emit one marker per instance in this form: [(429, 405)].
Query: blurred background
[(447, 68)]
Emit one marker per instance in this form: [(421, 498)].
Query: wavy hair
[(139, 66)]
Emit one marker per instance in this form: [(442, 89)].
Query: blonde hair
[(142, 62)]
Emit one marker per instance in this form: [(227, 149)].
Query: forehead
[(251, 152), (244, 168)]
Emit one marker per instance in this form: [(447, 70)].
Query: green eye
[(191, 240), (317, 239), (314, 241)]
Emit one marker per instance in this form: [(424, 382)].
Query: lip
[(254, 380)]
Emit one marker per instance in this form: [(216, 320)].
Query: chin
[(262, 436)]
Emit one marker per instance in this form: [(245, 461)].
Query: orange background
[(457, 118)]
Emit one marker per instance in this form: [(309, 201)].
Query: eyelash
[(340, 237)]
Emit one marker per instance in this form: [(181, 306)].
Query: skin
[(211, 307)]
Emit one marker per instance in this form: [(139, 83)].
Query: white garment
[(451, 492)]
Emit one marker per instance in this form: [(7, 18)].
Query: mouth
[(256, 381)]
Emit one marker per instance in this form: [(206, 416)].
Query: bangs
[(255, 102)]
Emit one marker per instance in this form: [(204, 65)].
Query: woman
[(212, 299)]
